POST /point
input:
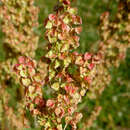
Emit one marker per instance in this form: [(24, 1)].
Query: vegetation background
[(115, 100)]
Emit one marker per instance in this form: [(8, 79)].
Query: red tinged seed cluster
[(69, 73), (18, 25), (60, 32), (64, 105), (115, 35), (18, 20), (115, 42), (32, 82)]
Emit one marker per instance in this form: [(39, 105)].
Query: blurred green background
[(115, 100)]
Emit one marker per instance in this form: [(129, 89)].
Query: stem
[(65, 126)]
